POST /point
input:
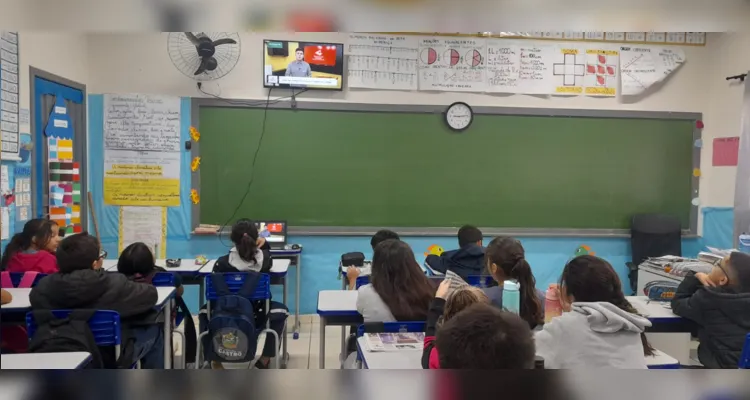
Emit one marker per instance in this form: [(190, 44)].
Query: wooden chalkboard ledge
[(488, 232)]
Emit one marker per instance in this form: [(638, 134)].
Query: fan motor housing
[(206, 47)]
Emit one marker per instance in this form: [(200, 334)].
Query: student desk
[(669, 332), (338, 308), (68, 360), (296, 255), (20, 302), (411, 359)]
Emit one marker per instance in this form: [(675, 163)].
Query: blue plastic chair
[(15, 278), (105, 325), (262, 292), (362, 280), (481, 281), (745, 356)]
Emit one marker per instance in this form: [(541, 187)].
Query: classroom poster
[(141, 150), (9, 96), (452, 64), (143, 224), (386, 62)]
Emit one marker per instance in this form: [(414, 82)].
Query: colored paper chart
[(452, 64)]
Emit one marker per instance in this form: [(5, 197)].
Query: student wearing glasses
[(719, 302)]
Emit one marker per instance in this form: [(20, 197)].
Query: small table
[(295, 254), (68, 360), (669, 333), (164, 302), (338, 308)]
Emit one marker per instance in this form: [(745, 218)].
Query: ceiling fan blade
[(224, 41), (201, 68), (192, 38)]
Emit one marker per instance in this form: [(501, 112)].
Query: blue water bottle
[(512, 296), (745, 243)]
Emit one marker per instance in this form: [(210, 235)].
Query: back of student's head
[(469, 235), (245, 238), (484, 337), (80, 251), (400, 282), (506, 259), (38, 232), (739, 271), (136, 259), (381, 236), (462, 298), (592, 279)]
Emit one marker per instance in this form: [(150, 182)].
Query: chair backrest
[(655, 235), (163, 279), (362, 280), (105, 325), (390, 327), (17, 277), (481, 281), (745, 356), (234, 283)]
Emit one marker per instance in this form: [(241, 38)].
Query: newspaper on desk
[(398, 341), (678, 266)]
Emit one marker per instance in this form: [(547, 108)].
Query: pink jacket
[(41, 261)]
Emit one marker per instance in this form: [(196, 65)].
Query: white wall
[(140, 63), (62, 54)]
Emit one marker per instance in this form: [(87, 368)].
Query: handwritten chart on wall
[(143, 224), (452, 64), (141, 150), (382, 62), (9, 94), (516, 67), (644, 66)]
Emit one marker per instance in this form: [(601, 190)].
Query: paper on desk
[(456, 281), (723, 253)]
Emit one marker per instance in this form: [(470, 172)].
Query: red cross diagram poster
[(601, 72)]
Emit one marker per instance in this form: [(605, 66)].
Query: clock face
[(459, 116)]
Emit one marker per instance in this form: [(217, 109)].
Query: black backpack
[(232, 334), (69, 334)]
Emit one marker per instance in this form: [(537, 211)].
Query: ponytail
[(245, 238), (16, 244), (531, 306), (509, 256), (622, 303)]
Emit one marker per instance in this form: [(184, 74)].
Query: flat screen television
[(308, 65)]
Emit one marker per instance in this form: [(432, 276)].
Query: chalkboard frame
[(199, 102)]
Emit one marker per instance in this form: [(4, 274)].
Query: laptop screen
[(273, 231)]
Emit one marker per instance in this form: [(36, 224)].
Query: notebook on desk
[(274, 232)]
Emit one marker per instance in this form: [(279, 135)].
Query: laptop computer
[(274, 232)]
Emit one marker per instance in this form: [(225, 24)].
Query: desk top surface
[(278, 266), (20, 300), (337, 300), (186, 265), (44, 360), (652, 309)]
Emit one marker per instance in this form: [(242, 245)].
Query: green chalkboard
[(346, 168)]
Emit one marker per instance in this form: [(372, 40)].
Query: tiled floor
[(304, 352)]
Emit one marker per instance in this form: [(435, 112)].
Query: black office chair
[(652, 235)]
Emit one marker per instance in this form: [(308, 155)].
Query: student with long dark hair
[(599, 328), (33, 249), (398, 288), (506, 260)]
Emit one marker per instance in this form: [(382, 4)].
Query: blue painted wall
[(321, 255)]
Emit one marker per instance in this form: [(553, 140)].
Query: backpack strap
[(220, 285), (5, 281), (28, 279), (248, 287)]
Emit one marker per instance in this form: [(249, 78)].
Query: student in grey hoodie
[(599, 328)]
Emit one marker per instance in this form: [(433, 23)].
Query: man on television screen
[(299, 68)]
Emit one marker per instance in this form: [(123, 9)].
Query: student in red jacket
[(33, 249), (444, 307)]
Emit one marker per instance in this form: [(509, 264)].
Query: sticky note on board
[(52, 149), (726, 151), (56, 194), (696, 172)]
